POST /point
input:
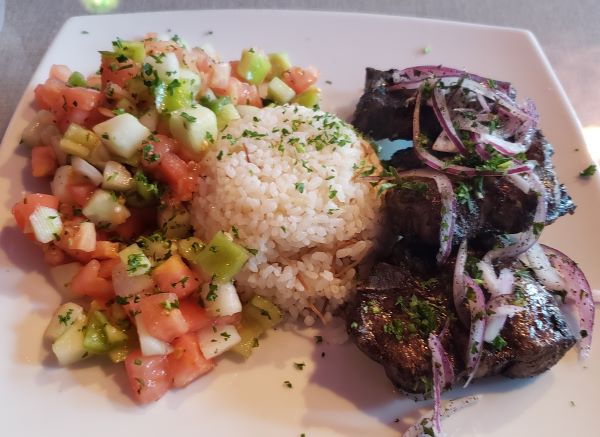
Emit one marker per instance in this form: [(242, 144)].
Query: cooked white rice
[(287, 181)]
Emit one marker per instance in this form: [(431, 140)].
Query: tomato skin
[(112, 71), (175, 172), (106, 267), (148, 377), (22, 210), (300, 79), (106, 250), (87, 282), (162, 320), (81, 193), (82, 99), (186, 362), (195, 315), (43, 161), (170, 277)]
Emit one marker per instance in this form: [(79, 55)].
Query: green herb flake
[(65, 318), (212, 292), (188, 117), (288, 384), (299, 186), (318, 339), (137, 362), (499, 343), (588, 171), (299, 366)]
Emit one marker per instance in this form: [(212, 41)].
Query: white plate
[(343, 393)]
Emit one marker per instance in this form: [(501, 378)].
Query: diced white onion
[(116, 177), (544, 272), (225, 300), (86, 169), (85, 238), (150, 119), (62, 319), (60, 183), (148, 344), (142, 263), (214, 340), (62, 276), (103, 209), (46, 224), (126, 285)]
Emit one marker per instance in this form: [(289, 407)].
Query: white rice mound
[(287, 182)]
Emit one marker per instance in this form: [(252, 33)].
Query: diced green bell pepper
[(95, 340), (253, 66), (76, 79), (226, 114), (222, 258)]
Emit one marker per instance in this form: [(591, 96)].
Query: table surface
[(567, 30)]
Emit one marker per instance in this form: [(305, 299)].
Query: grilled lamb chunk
[(536, 338), (414, 209), (390, 318)]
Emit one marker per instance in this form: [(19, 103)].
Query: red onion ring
[(477, 329), (458, 286), (443, 375), (448, 212), (579, 293), (440, 108)]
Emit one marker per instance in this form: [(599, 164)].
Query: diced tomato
[(117, 72), (202, 60), (248, 95), (174, 276), (53, 255), (87, 282), (159, 146), (22, 210), (49, 95), (81, 193), (106, 267), (175, 172), (194, 314), (148, 376), (43, 161), (82, 99), (106, 250), (140, 221), (186, 362), (161, 317), (299, 80)]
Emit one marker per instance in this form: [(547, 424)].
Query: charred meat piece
[(490, 205), (390, 320), (536, 338)]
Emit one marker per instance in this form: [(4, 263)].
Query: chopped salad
[(120, 148)]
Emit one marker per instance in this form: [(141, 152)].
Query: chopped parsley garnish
[(219, 155), (212, 292), (299, 366), (64, 319), (288, 384), (188, 117), (265, 313), (588, 171), (252, 251), (137, 362), (299, 186), (318, 339), (226, 335), (384, 187), (255, 342), (499, 343), (538, 228), (136, 261), (354, 325), (235, 231), (149, 155), (332, 193)]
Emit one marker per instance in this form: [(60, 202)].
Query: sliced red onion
[(504, 147), (476, 304), (579, 293), (493, 326), (497, 285), (422, 427), (443, 376), (458, 286), (536, 259), (480, 150), (520, 182), (443, 144), (448, 212), (440, 108), (483, 103)]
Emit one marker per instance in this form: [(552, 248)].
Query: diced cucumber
[(221, 299), (114, 335), (309, 98), (249, 335), (226, 114), (68, 348), (280, 63), (119, 353), (116, 177), (135, 260), (95, 340), (178, 95), (76, 79), (189, 248), (270, 314), (222, 258), (279, 91), (134, 50), (254, 66), (194, 127), (62, 319), (72, 148), (214, 340), (194, 82), (214, 103), (104, 209), (123, 134), (175, 222), (165, 65), (146, 189), (81, 135), (157, 247)]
